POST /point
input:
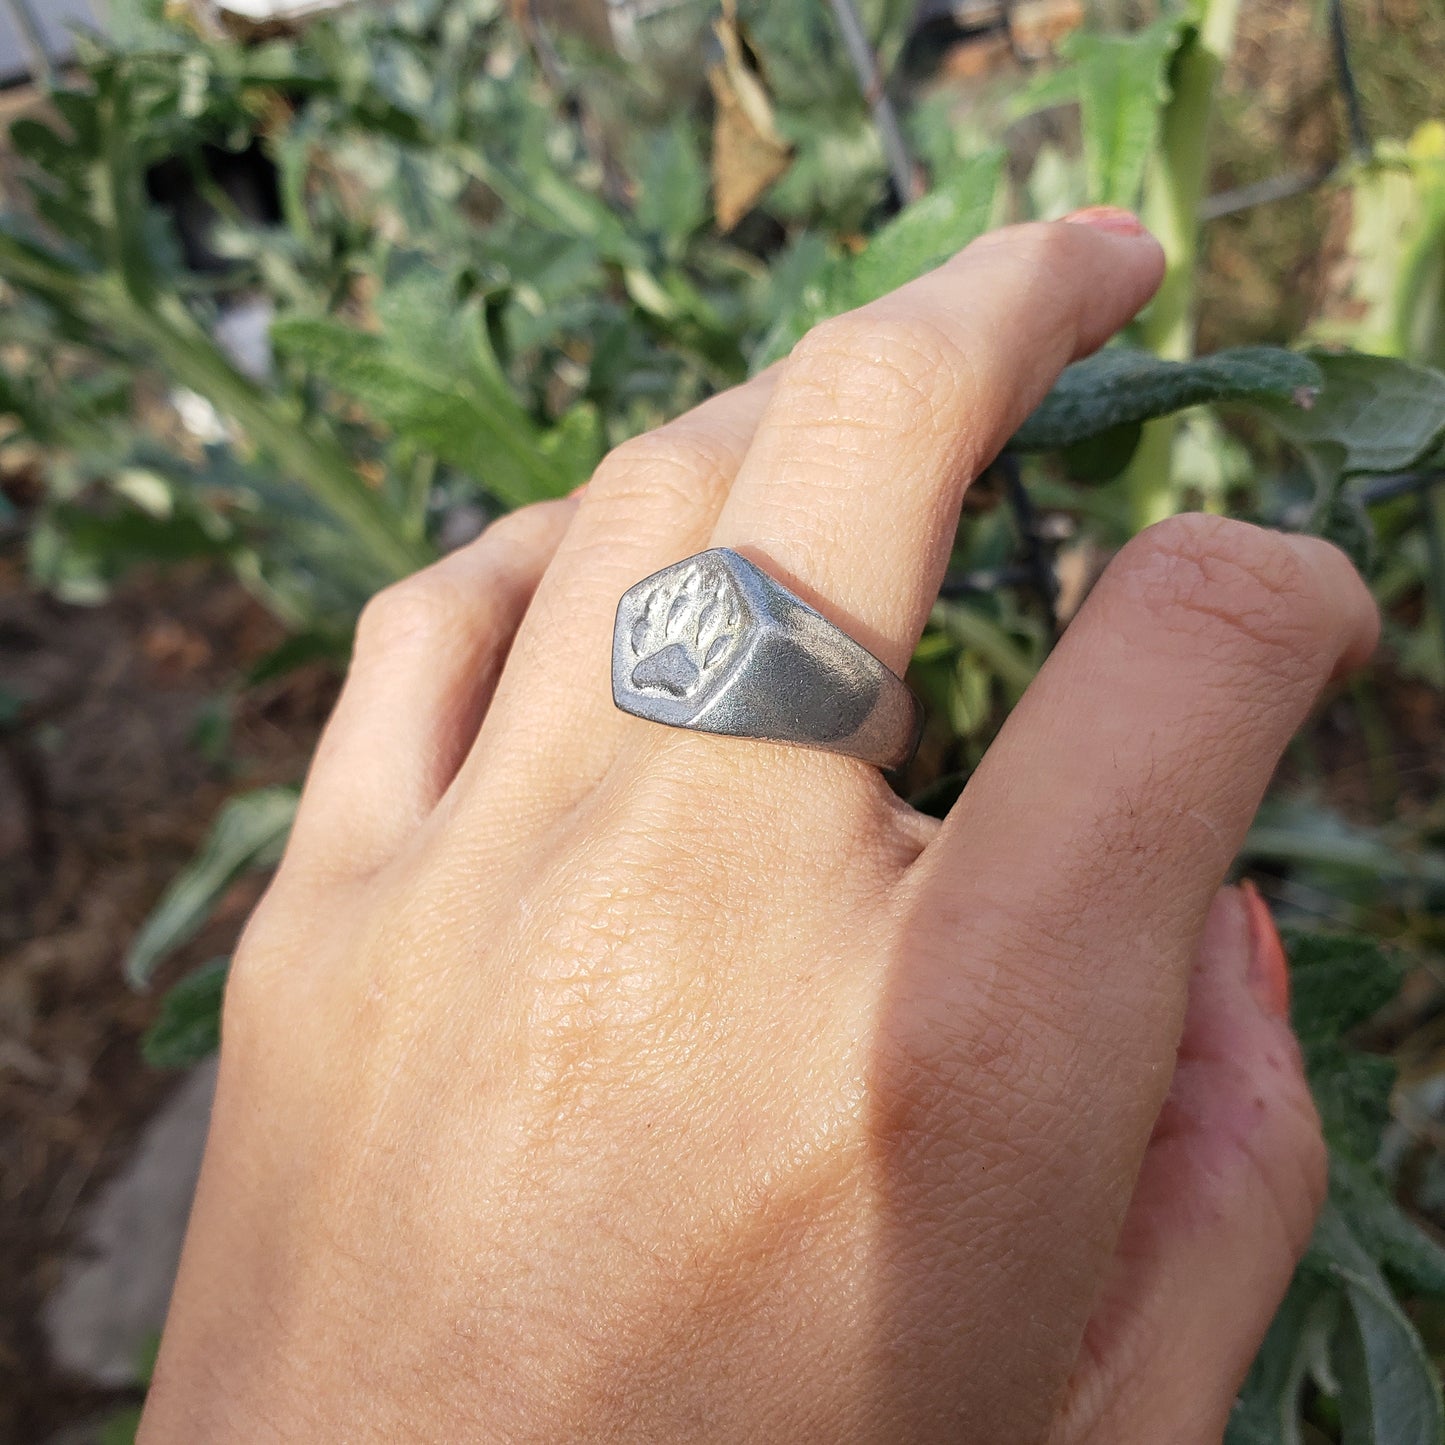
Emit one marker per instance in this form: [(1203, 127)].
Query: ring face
[(685, 630), (714, 644)]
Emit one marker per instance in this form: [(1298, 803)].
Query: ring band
[(714, 644)]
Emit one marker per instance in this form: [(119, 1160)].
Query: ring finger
[(652, 501)]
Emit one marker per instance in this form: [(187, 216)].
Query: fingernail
[(1268, 967), (577, 491), (1113, 219)]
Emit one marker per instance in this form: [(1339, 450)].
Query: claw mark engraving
[(685, 629)]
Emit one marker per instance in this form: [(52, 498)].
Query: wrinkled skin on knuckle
[(423, 611), (887, 360), (673, 462), (1228, 590)]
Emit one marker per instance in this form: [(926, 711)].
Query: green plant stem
[(313, 461), (1173, 193), (184, 350)]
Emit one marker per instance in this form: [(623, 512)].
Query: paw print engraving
[(684, 630)]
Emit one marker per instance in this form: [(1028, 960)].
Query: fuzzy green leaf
[(1122, 385), (1389, 1393), (461, 415), (921, 236), (1372, 414), (1121, 83), (924, 234), (187, 1028), (1387, 1233), (249, 832), (1352, 1093), (1338, 980)]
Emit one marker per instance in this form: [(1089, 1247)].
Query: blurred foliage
[(427, 265)]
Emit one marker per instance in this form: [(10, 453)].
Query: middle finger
[(851, 490)]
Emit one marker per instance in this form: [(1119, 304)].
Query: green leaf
[(1388, 1234), (1101, 458), (1372, 414), (1352, 1093), (924, 234), (1122, 85), (187, 1028), (1337, 981), (464, 414), (672, 187), (1389, 1393), (921, 236), (250, 832), (1296, 831), (1122, 386)]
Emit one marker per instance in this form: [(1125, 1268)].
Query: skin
[(585, 1079)]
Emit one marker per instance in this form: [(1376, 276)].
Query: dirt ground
[(104, 792)]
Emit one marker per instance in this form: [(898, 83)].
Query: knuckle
[(674, 462), (417, 611), (882, 361), (884, 345), (1232, 589)]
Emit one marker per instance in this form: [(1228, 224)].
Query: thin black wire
[(1034, 570), (1359, 132)]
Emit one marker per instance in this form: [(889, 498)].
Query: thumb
[(1231, 1183)]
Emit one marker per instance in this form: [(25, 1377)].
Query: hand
[(586, 1079)]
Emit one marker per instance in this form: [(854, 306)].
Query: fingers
[(851, 491), (1232, 1181), (426, 658)]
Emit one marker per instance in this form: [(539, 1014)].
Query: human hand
[(585, 1079)]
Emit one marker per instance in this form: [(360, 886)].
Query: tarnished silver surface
[(712, 643)]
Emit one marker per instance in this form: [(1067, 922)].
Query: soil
[(105, 790)]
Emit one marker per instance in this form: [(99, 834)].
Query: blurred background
[(297, 294)]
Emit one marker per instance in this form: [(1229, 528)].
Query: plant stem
[(312, 461), (1172, 198), (184, 351), (870, 82)]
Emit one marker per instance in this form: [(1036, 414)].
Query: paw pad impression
[(685, 628)]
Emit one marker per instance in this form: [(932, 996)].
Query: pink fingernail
[(1268, 967), (1113, 219)]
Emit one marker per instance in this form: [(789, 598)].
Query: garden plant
[(484, 253)]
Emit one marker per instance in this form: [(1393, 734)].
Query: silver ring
[(714, 644)]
